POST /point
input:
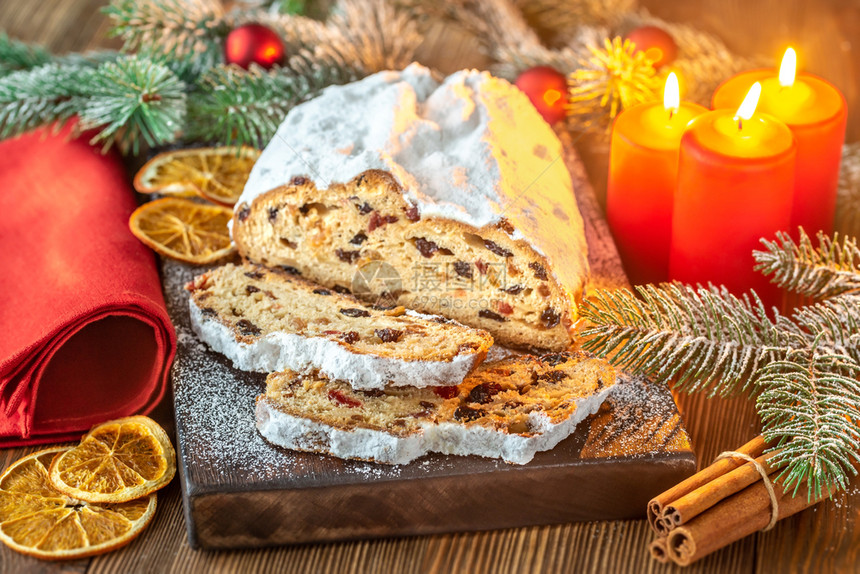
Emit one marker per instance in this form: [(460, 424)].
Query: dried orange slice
[(117, 461), (218, 174), (39, 520), (183, 229)]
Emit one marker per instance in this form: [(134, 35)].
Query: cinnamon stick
[(753, 448), (693, 504), (734, 518), (658, 550)]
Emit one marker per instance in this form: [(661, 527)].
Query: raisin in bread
[(266, 321), (508, 409), (457, 190)]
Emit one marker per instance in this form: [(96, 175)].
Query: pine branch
[(43, 95), (810, 409), (699, 339), (190, 31), (832, 325), (131, 99), (15, 55), (820, 272), (233, 106)]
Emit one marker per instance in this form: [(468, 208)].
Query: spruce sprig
[(126, 99), (827, 270), (43, 95), (15, 55), (186, 31), (234, 106), (132, 99), (802, 369), (702, 339), (807, 404)]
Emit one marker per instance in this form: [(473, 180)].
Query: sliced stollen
[(508, 409), (457, 188), (265, 320)]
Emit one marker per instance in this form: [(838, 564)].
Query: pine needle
[(189, 30), (43, 95), (237, 107), (15, 55), (701, 339), (827, 270), (810, 411), (132, 99)]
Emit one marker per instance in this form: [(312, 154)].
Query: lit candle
[(643, 169), (816, 113), (735, 185)]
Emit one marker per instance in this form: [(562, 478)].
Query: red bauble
[(547, 90), (657, 43), (253, 44)]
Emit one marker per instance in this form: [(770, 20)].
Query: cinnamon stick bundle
[(719, 505), (753, 448), (738, 516)]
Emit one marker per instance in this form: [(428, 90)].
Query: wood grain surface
[(825, 538)]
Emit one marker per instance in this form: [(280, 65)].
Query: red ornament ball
[(546, 88), (253, 44), (657, 43)]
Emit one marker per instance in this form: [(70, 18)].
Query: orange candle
[(816, 113), (735, 185), (643, 169)]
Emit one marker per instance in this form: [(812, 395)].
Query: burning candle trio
[(691, 191)]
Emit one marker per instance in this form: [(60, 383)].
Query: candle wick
[(740, 123), (671, 113)]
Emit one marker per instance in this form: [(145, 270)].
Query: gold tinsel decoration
[(614, 78)]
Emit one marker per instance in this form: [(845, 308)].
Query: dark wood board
[(239, 491)]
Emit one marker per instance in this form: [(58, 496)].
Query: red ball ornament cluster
[(253, 44), (657, 43), (546, 88)]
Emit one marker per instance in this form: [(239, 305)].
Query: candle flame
[(671, 93), (747, 108), (788, 68)]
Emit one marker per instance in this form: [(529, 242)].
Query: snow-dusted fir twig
[(698, 338), (803, 370), (808, 404), (177, 86), (231, 105), (824, 271), (127, 100), (15, 56)]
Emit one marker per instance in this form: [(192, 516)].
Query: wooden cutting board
[(239, 491)]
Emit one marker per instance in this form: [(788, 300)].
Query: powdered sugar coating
[(279, 351), (299, 433), (471, 149)]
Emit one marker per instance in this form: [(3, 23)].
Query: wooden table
[(825, 538)]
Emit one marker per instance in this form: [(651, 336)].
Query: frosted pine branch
[(827, 270), (190, 30), (133, 99), (809, 404), (43, 95), (700, 339), (15, 55)]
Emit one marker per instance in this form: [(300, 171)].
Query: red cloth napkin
[(84, 333)]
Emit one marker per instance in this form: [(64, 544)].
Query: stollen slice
[(508, 409), (268, 320)]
